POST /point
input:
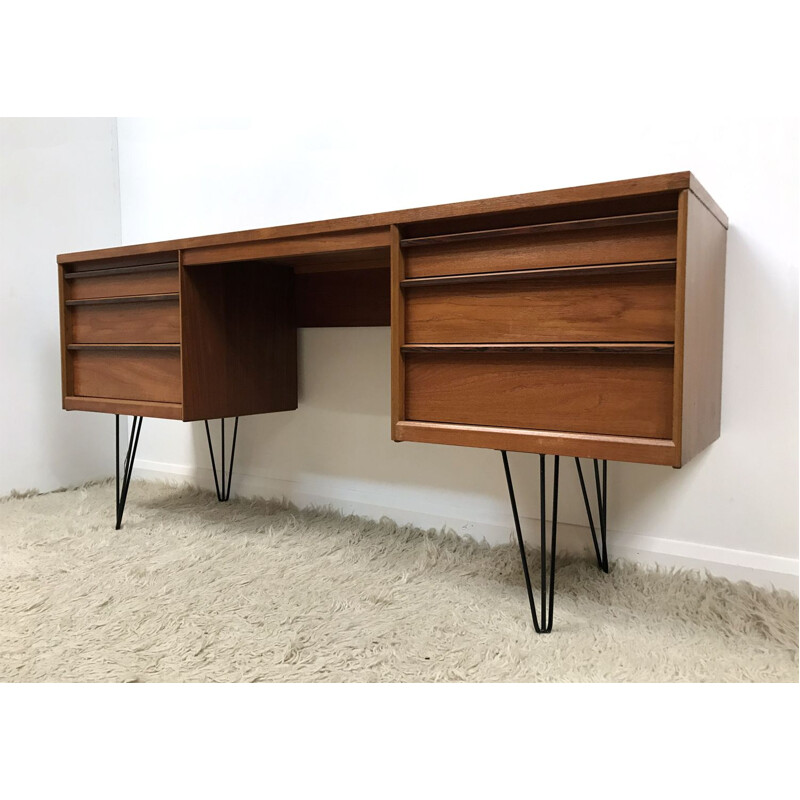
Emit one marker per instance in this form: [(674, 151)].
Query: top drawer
[(121, 281), (611, 240)]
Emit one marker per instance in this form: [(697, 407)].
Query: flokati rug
[(250, 590)]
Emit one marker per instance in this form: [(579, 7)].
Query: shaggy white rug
[(194, 590)]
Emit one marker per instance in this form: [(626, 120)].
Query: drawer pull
[(544, 272), (134, 298), (95, 273), (571, 347), (146, 347)]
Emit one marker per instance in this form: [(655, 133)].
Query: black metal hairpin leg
[(127, 470), (223, 489), (546, 595), (601, 549)]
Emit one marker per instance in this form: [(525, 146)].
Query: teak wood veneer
[(581, 322)]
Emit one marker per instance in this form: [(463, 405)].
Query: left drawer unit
[(121, 339)]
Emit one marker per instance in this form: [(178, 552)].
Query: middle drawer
[(145, 320), (630, 306)]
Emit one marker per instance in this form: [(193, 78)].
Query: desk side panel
[(704, 287), (239, 340)]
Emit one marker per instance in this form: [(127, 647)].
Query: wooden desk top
[(221, 243)]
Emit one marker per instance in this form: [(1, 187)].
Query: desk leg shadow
[(223, 488), (547, 584)]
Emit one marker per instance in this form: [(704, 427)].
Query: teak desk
[(582, 322)]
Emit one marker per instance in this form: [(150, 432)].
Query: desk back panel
[(343, 298)]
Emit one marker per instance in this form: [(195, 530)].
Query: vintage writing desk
[(582, 322)]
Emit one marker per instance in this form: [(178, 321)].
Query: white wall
[(59, 191), (732, 509)]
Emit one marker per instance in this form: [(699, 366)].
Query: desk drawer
[(542, 246), (121, 281), (615, 393), (144, 373), (149, 321), (637, 306)]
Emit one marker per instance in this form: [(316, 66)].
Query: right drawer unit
[(596, 336)]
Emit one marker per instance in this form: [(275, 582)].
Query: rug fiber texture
[(250, 590)]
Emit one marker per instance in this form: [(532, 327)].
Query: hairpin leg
[(601, 549), (223, 489), (127, 470), (547, 587)]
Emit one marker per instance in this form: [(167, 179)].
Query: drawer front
[(621, 394), (141, 322), (128, 374), (117, 283), (633, 307), (652, 241)]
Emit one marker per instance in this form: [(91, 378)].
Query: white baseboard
[(757, 568)]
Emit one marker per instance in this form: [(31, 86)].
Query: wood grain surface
[(612, 394), (654, 185), (649, 242), (128, 374), (122, 282), (639, 307), (342, 298), (700, 398), (133, 408), (583, 445), (238, 340), (143, 321)]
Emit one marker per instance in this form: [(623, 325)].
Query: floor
[(253, 590)]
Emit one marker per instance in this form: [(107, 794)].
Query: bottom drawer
[(620, 394), (128, 374)]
